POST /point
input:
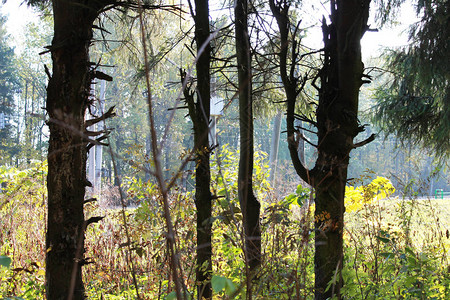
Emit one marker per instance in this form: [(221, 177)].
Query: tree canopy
[(415, 104), (9, 86)]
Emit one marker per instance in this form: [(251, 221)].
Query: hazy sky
[(372, 42), (18, 16)]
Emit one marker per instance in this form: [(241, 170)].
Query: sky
[(372, 42), (18, 16)]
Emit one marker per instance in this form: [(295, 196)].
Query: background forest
[(140, 229)]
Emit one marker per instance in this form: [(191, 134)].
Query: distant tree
[(9, 85), (415, 103), (33, 91), (128, 92)]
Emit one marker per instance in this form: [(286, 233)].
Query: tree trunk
[(67, 99), (250, 206), (201, 143), (301, 145), (337, 125), (274, 145)]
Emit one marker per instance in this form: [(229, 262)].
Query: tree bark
[(337, 125), (67, 99), (250, 206), (201, 143)]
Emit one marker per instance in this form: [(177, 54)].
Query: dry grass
[(287, 271)]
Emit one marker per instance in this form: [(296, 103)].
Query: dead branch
[(365, 142), (106, 115), (92, 220), (96, 133), (90, 200), (100, 75)]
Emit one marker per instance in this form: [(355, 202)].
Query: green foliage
[(380, 251), (300, 196), (130, 137), (414, 103), (397, 271), (22, 232), (22, 94), (220, 284), (356, 197), (227, 234), (171, 296), (383, 261), (224, 173), (286, 227), (33, 93), (5, 261), (9, 85), (280, 212)]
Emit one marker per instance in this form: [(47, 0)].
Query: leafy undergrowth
[(395, 249)]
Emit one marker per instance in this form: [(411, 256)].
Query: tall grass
[(395, 248)]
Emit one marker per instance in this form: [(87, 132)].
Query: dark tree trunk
[(67, 99), (250, 206), (199, 111), (337, 125), (202, 172)]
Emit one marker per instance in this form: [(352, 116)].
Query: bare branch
[(100, 75), (106, 115), (365, 142), (92, 220)]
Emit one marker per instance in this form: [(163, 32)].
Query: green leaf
[(223, 201), (300, 190), (5, 261), (384, 240), (410, 252), (139, 251), (412, 261), (386, 254), (218, 283), (230, 288), (171, 296), (291, 198), (410, 280)]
